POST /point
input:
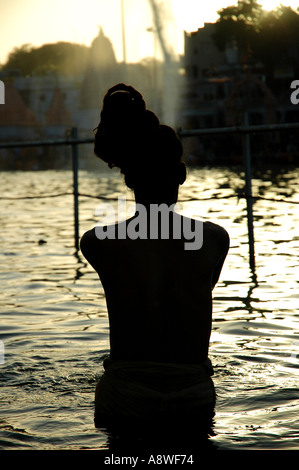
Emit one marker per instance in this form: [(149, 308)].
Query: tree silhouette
[(63, 58), (270, 38)]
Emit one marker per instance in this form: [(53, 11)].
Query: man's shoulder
[(88, 237), (99, 238), (217, 231), (90, 241)]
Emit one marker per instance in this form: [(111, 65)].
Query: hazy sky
[(38, 22)]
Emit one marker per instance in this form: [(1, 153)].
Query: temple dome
[(101, 52)]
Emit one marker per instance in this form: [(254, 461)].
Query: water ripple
[(54, 320)]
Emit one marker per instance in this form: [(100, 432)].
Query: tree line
[(62, 58), (270, 38)]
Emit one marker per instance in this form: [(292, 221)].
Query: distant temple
[(47, 106), (15, 112), (101, 71), (17, 121), (101, 52)]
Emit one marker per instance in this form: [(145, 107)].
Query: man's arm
[(224, 251)]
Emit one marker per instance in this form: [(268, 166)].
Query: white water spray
[(161, 12)]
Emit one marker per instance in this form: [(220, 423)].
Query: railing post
[(248, 193), (75, 186)]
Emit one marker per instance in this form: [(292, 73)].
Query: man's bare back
[(159, 295)]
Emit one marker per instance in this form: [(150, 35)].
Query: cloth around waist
[(159, 376)]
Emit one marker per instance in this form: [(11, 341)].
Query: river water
[(54, 328)]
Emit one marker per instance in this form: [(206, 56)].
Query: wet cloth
[(149, 389)]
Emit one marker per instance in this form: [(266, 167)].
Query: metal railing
[(245, 131)]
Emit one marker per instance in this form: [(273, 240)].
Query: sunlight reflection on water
[(54, 323)]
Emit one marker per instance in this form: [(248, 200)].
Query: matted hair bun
[(131, 137), (125, 123)]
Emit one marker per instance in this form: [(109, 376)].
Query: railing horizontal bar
[(239, 129), (45, 143), (182, 133)]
